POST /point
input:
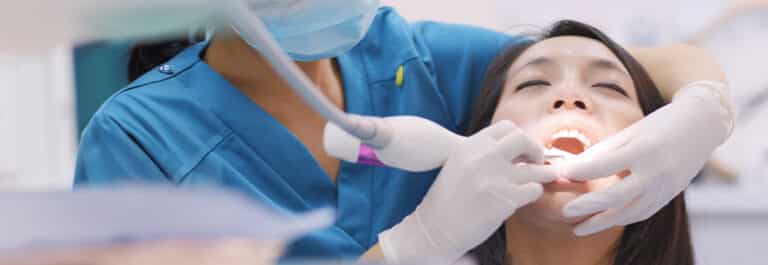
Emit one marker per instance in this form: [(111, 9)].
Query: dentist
[(214, 113)]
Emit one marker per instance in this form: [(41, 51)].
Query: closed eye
[(612, 86), (531, 83)]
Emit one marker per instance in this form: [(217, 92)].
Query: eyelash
[(612, 86), (532, 83)]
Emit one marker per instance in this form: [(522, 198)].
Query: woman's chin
[(549, 208)]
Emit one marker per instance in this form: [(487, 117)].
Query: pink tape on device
[(368, 157)]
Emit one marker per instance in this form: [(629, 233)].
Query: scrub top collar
[(352, 194), (266, 135), (388, 58), (274, 143)]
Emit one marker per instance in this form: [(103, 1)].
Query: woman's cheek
[(526, 111), (510, 110), (621, 115)]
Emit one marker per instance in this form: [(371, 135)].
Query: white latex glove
[(663, 152), (480, 186)]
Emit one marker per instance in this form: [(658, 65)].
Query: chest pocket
[(411, 90)]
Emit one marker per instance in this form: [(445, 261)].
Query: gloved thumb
[(519, 147), (498, 130), (606, 158)]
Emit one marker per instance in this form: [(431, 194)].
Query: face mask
[(309, 30)]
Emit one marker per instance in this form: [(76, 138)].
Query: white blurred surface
[(631, 22), (32, 25), (477, 12), (728, 226), (37, 120), (138, 212), (730, 239), (739, 44)]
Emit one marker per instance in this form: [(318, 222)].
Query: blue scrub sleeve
[(460, 56), (108, 153)]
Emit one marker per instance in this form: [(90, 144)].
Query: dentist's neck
[(554, 244), (247, 70), (250, 73)]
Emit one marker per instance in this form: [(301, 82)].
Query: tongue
[(570, 145)]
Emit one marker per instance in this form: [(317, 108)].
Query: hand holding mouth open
[(662, 157)]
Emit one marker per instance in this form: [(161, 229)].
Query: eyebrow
[(538, 62), (596, 63), (607, 64), (535, 62)]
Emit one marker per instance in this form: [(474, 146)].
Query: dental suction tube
[(406, 142), (370, 130)]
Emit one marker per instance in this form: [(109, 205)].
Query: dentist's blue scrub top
[(183, 123)]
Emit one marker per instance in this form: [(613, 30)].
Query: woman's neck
[(551, 244)]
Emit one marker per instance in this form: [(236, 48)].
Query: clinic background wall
[(629, 22)]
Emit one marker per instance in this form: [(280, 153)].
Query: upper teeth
[(570, 133)]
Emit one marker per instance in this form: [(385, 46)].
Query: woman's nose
[(570, 103)]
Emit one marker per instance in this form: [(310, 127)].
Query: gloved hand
[(480, 186), (663, 152)]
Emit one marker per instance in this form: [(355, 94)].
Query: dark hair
[(664, 238), (147, 55)]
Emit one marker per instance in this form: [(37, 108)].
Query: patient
[(570, 89)]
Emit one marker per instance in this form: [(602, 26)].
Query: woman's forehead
[(566, 49)]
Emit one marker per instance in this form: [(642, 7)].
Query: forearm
[(673, 66)]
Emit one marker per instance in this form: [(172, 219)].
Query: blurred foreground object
[(210, 252), (145, 225), (39, 24)]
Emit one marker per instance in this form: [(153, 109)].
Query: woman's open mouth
[(573, 141)]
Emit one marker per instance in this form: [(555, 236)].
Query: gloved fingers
[(606, 146), (513, 195), (598, 166), (519, 147), (616, 196), (597, 223), (533, 173), (499, 130), (635, 212)]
